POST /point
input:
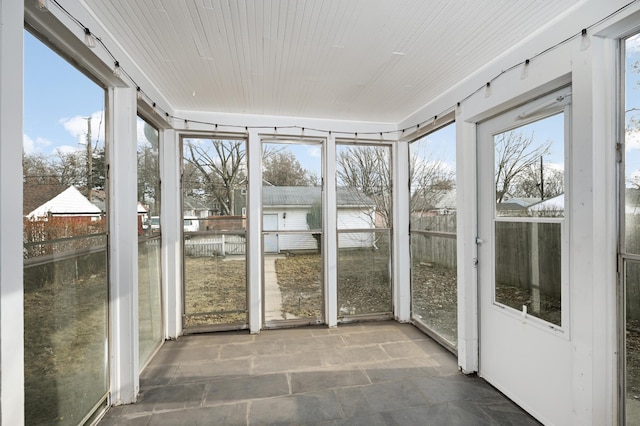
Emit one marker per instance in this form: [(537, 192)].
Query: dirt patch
[(434, 298), (300, 281), (65, 329), (215, 291)]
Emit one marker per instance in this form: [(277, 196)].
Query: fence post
[(223, 250)]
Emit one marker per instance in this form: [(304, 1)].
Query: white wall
[(11, 279)]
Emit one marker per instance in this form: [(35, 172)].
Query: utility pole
[(89, 159), (541, 180)]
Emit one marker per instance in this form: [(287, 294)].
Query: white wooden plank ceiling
[(369, 60)]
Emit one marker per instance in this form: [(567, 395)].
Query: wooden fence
[(433, 240), (522, 248), (215, 245)]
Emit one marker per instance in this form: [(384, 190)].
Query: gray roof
[(309, 195), (191, 203)]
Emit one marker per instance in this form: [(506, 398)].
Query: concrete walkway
[(272, 295), (370, 374)]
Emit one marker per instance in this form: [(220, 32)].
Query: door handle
[(479, 241)]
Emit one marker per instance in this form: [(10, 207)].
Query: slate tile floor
[(370, 374)]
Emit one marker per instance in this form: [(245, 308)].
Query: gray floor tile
[(374, 337), (357, 356), (315, 344), (169, 398), (214, 370), (157, 375), (320, 380), (228, 415), (286, 362), (400, 350), (357, 374), (246, 388), (296, 409), (454, 388), (248, 349)]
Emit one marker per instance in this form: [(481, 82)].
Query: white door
[(525, 348), (270, 223)]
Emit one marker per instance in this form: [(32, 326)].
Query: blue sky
[(57, 99), (632, 97)]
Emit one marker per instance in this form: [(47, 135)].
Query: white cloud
[(31, 146), (555, 166), (632, 140), (633, 44), (315, 151), (77, 127), (28, 145)]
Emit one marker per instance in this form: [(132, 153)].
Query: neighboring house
[(68, 203), (289, 208), (550, 206), (36, 194), (194, 207), (433, 202), (515, 206)]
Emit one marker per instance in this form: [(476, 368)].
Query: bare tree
[(514, 154), (366, 169), (218, 165), (533, 182), (430, 178)]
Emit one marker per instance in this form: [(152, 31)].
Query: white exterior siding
[(355, 218), (292, 219), (295, 219)]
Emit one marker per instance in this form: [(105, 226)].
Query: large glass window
[(630, 232), (433, 216), (214, 185), (65, 240), (364, 205), (292, 227), (149, 281)]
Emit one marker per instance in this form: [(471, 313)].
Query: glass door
[(522, 256), (292, 232), (214, 187)]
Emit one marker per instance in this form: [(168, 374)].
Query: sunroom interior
[(251, 166)]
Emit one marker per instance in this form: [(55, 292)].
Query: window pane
[(528, 268), (529, 169), (363, 201), (65, 242), (364, 273), (632, 147), (632, 338), (214, 203), (433, 219), (149, 282), (292, 232)]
